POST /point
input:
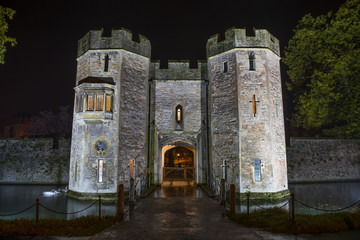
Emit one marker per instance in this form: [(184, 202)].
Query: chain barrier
[(65, 213), (13, 214), (257, 204), (327, 210), (287, 202)]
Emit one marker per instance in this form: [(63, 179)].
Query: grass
[(279, 221), (84, 226)]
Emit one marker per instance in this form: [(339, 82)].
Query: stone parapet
[(237, 38), (120, 39), (179, 70)]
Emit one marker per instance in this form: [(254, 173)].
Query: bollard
[(222, 189), (292, 209), (120, 211), (131, 193), (99, 207), (232, 198), (248, 203), (37, 212)]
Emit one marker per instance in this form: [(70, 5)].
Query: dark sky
[(39, 73)]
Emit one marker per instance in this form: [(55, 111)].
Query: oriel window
[(108, 103), (90, 103), (79, 103), (99, 102), (179, 114)]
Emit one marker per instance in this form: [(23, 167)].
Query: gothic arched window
[(179, 113)]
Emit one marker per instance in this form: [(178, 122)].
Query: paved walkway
[(182, 212)]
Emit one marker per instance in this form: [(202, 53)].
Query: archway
[(178, 163)]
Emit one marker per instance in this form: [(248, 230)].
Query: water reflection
[(326, 195), (178, 189), (14, 198), (320, 195)]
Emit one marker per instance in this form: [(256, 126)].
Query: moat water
[(15, 198)]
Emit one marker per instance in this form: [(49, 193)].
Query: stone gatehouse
[(135, 119)]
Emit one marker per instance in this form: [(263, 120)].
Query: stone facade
[(34, 161), (321, 160), (129, 112), (246, 113)]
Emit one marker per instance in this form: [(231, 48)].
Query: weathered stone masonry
[(323, 160), (126, 107), (246, 110), (34, 161)]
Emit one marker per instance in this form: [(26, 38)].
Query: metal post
[(37, 212), (232, 198), (248, 203), (120, 211), (99, 207), (222, 189), (292, 208)]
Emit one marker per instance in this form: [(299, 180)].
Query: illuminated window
[(99, 102), (179, 114), (90, 103), (257, 170), (100, 171), (252, 62), (108, 103)]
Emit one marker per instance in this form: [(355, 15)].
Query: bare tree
[(50, 124)]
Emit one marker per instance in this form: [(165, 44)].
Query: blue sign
[(257, 169)]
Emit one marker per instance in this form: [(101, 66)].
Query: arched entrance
[(178, 163)]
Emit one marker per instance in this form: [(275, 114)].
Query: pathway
[(182, 212)]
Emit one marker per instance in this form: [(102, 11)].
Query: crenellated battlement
[(179, 70), (119, 39), (237, 38)]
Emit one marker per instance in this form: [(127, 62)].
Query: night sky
[(39, 73)]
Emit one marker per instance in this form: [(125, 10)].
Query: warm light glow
[(178, 115), (108, 103), (90, 103), (99, 102), (131, 169)]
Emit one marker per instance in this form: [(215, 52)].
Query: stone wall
[(34, 161), (314, 160)]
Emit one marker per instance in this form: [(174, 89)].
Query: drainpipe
[(206, 83), (149, 133)]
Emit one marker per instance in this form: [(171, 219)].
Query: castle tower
[(246, 113), (110, 114)]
